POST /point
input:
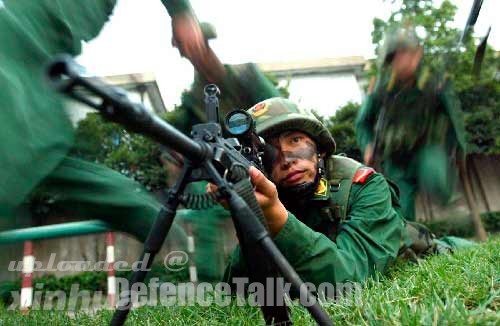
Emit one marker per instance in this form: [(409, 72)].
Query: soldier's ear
[(321, 164)]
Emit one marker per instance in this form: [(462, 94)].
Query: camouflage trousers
[(420, 242), (428, 169)]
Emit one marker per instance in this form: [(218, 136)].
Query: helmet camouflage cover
[(276, 115), (208, 31), (398, 38)]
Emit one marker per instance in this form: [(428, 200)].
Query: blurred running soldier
[(414, 120)]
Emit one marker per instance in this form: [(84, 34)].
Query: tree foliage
[(130, 154), (341, 126), (481, 104)]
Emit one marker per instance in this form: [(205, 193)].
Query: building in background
[(140, 88), (324, 85)]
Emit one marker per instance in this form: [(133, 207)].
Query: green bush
[(89, 281), (163, 274), (463, 227), (341, 126), (491, 221), (5, 291)]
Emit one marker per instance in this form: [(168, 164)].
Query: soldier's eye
[(296, 139)]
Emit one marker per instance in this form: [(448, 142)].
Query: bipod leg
[(259, 270), (273, 304), (152, 246)]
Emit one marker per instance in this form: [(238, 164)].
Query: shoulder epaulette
[(362, 175)]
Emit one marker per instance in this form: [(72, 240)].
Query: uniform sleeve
[(253, 81), (43, 28), (85, 19), (36, 128), (367, 242), (452, 106), (365, 121), (175, 7)]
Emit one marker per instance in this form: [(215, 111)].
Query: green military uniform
[(36, 132), (352, 227), (422, 129)]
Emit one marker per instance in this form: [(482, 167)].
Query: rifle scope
[(239, 123)]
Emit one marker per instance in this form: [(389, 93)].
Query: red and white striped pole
[(27, 277), (193, 273), (110, 260)]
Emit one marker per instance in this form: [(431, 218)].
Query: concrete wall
[(309, 91), (484, 172)]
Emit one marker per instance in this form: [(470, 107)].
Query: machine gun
[(208, 156)]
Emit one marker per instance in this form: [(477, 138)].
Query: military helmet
[(398, 38), (208, 31), (276, 115)]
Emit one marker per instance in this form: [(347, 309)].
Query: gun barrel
[(113, 104)]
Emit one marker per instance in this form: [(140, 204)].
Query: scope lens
[(211, 89), (238, 123)]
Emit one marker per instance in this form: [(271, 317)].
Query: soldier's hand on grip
[(267, 196)]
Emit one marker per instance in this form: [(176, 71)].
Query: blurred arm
[(453, 107), (189, 39), (365, 125)]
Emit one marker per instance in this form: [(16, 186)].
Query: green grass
[(454, 289)]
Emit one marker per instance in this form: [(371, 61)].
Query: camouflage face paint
[(305, 153)]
